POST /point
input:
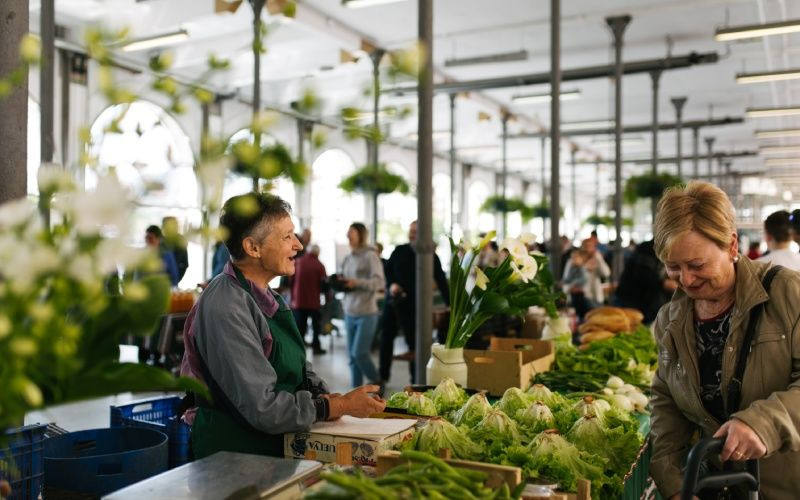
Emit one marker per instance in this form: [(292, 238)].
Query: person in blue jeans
[(362, 278)]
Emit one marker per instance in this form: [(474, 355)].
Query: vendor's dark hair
[(795, 219), (777, 225), (243, 215)]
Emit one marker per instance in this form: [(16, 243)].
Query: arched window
[(333, 210), (513, 219), (238, 184), (396, 211), (34, 141), (479, 221), (153, 158)]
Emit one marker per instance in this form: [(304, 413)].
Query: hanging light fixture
[(357, 4), (776, 134), (757, 30), (769, 112), (154, 41), (770, 76), (520, 55)]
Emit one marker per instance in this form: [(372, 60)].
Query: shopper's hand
[(5, 489), (359, 403), (331, 396), (741, 442), (395, 289), (349, 284)]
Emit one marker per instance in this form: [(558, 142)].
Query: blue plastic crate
[(22, 463), (160, 414), (96, 462)]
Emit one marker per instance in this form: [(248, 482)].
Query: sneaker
[(406, 356), (319, 351)]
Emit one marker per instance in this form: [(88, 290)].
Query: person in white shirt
[(596, 271), (777, 235)]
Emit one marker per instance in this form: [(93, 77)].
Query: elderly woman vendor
[(700, 335), (243, 342)]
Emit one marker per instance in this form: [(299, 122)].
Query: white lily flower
[(528, 267), (81, 269), (516, 248), (481, 280), (527, 238), (52, 177), (516, 273), (212, 179), (16, 213), (106, 206), (113, 252), (5, 326)]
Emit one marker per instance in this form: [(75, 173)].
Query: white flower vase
[(446, 362), (558, 330)]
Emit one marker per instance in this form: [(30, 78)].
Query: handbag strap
[(735, 385)]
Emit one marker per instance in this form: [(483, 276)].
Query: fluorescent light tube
[(771, 150), (586, 125), (520, 55), (357, 4), (780, 162), (772, 76), (775, 134), (757, 30), (156, 41), (569, 95), (768, 112)]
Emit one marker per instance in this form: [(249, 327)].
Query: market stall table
[(222, 475)]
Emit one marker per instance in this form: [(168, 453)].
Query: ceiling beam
[(632, 129), (673, 159), (587, 73)]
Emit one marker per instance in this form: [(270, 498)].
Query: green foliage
[(607, 220), (648, 186), (372, 179), (267, 162), (498, 204)]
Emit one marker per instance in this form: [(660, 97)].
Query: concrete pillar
[(14, 108)]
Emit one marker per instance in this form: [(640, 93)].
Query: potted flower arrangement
[(374, 180), (499, 204), (649, 186), (522, 280)]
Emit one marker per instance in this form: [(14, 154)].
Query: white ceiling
[(298, 49)]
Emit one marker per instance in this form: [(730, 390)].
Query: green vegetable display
[(420, 404), (629, 356), (473, 411), (514, 400), (424, 476), (438, 433), (448, 396)]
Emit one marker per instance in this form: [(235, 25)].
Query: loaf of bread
[(596, 335), (635, 317), (612, 320)]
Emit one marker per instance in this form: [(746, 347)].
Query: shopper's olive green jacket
[(771, 386)]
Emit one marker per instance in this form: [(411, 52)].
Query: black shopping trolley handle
[(692, 483)]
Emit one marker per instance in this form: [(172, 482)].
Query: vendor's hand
[(358, 403), (331, 396), (741, 442), (395, 289)]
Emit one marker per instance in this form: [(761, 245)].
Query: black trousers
[(301, 318), (396, 314)]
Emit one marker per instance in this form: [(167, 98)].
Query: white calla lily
[(481, 280)]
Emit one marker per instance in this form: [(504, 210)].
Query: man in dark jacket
[(401, 293)]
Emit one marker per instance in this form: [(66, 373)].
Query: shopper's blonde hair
[(698, 206)]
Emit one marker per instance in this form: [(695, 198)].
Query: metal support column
[(574, 194), (14, 107), (258, 6), (655, 76), (504, 174), (597, 188), (424, 243), (678, 103), (555, 136), (710, 157), (303, 193), (47, 75), (696, 151), (453, 163), (544, 187), (64, 58), (372, 143), (618, 25)]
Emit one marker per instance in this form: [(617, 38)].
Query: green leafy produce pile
[(424, 476), (549, 435), (632, 357)]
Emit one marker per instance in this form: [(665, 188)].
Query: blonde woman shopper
[(701, 334), (362, 275)]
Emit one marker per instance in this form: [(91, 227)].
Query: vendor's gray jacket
[(228, 328), (363, 266)]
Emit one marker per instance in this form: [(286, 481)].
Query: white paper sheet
[(363, 427)]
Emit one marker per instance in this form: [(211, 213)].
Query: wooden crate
[(507, 363)]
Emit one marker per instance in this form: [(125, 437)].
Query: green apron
[(214, 429)]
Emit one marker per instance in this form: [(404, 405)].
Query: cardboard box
[(367, 436), (507, 363)]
